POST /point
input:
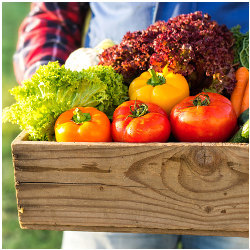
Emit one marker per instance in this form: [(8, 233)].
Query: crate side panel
[(171, 187)]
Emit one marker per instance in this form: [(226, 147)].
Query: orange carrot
[(245, 100), (242, 77)]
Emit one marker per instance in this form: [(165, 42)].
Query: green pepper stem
[(80, 117), (155, 79)]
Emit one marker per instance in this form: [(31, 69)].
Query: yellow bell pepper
[(164, 89)]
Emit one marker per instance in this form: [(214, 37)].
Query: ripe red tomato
[(135, 121), (206, 117)]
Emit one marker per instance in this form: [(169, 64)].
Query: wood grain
[(185, 188)]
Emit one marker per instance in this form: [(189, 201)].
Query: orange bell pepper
[(83, 124), (164, 89)]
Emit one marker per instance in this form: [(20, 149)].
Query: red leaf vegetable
[(190, 44)]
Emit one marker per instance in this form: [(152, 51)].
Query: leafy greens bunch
[(241, 47), (54, 89)]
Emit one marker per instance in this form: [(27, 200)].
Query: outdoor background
[(12, 236)]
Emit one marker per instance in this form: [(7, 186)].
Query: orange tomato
[(83, 124)]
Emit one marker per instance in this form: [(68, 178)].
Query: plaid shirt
[(50, 32)]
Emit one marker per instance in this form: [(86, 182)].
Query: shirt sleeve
[(50, 32)]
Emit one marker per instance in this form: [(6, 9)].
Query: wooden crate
[(182, 188)]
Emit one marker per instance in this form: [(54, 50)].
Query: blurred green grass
[(12, 236)]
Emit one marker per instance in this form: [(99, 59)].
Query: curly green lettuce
[(54, 89)]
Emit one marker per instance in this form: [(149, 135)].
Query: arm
[(50, 32)]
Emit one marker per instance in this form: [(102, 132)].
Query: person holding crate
[(53, 30)]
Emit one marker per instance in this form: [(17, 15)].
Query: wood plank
[(189, 188), (118, 163), (128, 207)]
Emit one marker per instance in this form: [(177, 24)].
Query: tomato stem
[(139, 110), (155, 79), (199, 102), (80, 117)]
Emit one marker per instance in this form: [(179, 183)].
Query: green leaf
[(244, 54), (241, 47)]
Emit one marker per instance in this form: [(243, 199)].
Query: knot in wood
[(204, 157), (205, 161)]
